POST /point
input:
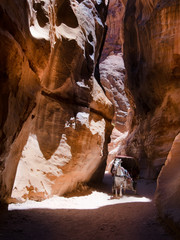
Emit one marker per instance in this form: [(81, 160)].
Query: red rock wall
[(56, 119), (22, 58), (112, 72), (168, 188), (114, 37), (152, 60)]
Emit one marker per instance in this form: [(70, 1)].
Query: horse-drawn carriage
[(125, 172)]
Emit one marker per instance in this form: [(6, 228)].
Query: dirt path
[(122, 220)]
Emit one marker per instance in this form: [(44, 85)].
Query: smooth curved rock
[(57, 119), (168, 188)]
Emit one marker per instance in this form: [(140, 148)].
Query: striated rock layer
[(112, 78), (56, 119), (112, 72), (152, 60)]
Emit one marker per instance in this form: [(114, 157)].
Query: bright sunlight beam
[(93, 201)]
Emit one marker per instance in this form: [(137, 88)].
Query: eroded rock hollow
[(55, 118)]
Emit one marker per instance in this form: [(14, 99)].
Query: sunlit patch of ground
[(87, 198), (87, 213), (93, 201)]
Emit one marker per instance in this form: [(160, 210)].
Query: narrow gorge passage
[(82, 81), (125, 220)]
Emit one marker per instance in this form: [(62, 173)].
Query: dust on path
[(121, 220)]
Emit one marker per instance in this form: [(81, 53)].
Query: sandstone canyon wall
[(112, 72), (55, 118), (168, 188), (152, 60), (115, 29)]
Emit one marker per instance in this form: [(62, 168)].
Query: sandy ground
[(94, 215)]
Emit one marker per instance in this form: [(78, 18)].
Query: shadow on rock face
[(66, 15)]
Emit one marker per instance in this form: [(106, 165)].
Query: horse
[(121, 179)]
